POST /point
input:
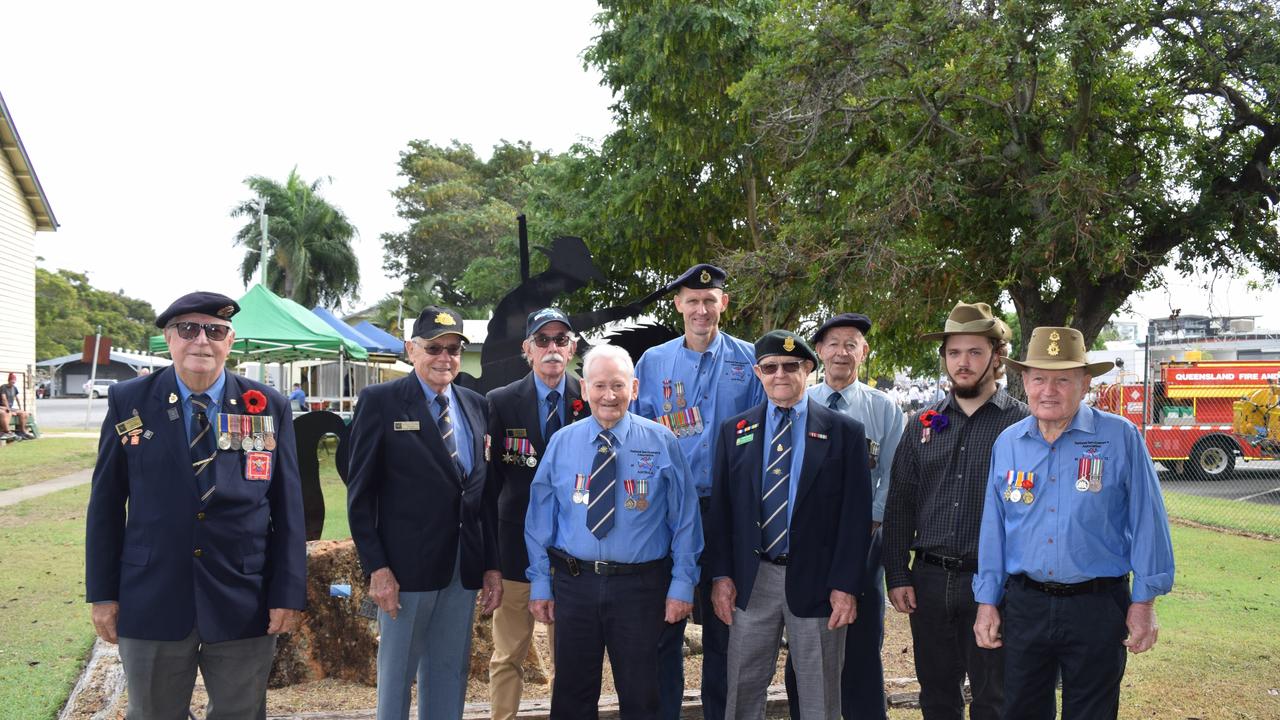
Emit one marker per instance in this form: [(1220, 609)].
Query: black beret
[(538, 318), (784, 342), (435, 321), (853, 320), (700, 277), (205, 303)]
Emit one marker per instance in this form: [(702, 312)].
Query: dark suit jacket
[(830, 523), (516, 406), (408, 508), (249, 533)]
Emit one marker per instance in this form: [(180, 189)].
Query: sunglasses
[(544, 340), (435, 349), (191, 330), (787, 367)]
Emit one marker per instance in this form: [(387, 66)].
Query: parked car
[(101, 387)]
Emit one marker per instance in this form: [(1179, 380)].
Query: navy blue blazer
[(173, 562), (514, 407), (408, 508), (830, 523)]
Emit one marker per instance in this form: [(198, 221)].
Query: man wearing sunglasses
[(195, 552), (787, 541), (523, 416), (423, 517), (691, 384)]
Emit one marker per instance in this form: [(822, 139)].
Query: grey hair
[(608, 352)]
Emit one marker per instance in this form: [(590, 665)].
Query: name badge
[(409, 425)]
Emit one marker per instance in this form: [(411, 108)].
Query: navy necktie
[(553, 415), (833, 402), (604, 476), (203, 447), (446, 432), (777, 489)]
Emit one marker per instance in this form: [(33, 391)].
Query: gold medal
[(1027, 497)]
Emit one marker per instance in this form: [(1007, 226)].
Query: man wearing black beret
[(787, 541), (195, 553)]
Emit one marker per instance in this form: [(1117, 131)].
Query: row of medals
[(264, 440), (675, 421), (582, 497)]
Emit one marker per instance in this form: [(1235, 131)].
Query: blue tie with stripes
[(604, 476), (776, 487)]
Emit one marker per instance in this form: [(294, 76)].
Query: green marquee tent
[(272, 329)]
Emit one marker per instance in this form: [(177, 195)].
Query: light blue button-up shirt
[(543, 390), (461, 428), (215, 396), (1066, 535), (799, 416), (719, 381), (884, 423), (670, 526)]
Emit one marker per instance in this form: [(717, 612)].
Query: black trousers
[(1081, 636), (946, 651), (619, 614)]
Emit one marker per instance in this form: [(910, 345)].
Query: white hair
[(608, 352)]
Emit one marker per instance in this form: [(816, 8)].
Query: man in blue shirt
[(788, 532), (613, 535), (691, 384), (1072, 507), (298, 398), (841, 344)]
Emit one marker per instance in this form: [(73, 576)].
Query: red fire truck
[(1190, 413)]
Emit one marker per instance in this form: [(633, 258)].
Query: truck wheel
[(1212, 461)]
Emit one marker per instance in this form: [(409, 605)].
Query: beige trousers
[(512, 636)]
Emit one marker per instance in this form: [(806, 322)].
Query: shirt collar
[(1084, 421), (431, 394), (798, 411), (214, 392), (713, 348), (543, 389), (620, 431)]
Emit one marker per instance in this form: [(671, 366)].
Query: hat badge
[(226, 312), (444, 319), (1054, 349), (705, 276), (1054, 336), (789, 344)]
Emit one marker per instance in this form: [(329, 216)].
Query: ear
[(724, 301)]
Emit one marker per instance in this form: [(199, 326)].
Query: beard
[(973, 390)]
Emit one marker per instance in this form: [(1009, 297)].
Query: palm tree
[(309, 254)]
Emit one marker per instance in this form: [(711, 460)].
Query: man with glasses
[(787, 538), (691, 384), (523, 417), (195, 551), (423, 517)]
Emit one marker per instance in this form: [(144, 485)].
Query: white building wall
[(17, 283)]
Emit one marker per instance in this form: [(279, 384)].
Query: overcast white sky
[(143, 120)]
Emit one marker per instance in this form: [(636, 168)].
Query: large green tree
[(68, 308), (309, 255), (460, 244)]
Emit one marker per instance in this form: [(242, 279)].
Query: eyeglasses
[(787, 367), (435, 349), (191, 330), (544, 340)]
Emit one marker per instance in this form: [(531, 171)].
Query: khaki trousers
[(512, 636)]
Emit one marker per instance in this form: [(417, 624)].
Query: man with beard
[(934, 508), (524, 416), (690, 385)]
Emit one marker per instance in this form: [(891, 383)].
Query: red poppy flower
[(926, 417), (742, 424), (254, 402), (577, 406)]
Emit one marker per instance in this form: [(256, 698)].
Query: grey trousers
[(754, 638), (161, 675)]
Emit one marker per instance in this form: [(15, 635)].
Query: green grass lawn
[(1230, 514), (33, 461)]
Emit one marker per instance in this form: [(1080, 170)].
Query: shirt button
[(199, 516), (1050, 572), (198, 552), (1050, 541), (955, 504), (1053, 510), (1053, 478), (962, 447)]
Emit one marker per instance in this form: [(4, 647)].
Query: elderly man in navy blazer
[(423, 518), (790, 520), (195, 552)]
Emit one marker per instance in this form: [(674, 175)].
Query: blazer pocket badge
[(407, 425), (257, 466)]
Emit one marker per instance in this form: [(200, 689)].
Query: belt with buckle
[(1069, 589), (576, 567), (948, 563)]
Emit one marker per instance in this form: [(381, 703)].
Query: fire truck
[(1204, 415)]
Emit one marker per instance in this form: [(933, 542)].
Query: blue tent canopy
[(364, 341), (378, 335)]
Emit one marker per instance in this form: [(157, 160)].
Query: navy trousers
[(619, 614), (1082, 636)]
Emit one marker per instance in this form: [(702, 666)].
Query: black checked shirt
[(938, 487)]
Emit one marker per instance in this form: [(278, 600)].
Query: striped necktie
[(604, 476), (777, 489), (445, 424), (833, 402), (203, 447), (553, 415)]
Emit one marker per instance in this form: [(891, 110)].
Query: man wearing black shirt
[(934, 510)]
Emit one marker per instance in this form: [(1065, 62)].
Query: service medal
[(1082, 485), (1015, 495), (630, 504), (1027, 497), (577, 496), (270, 424), (642, 504), (531, 460), (666, 396)]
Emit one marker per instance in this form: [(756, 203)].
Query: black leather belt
[(1069, 589), (576, 567), (948, 563)]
